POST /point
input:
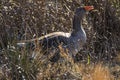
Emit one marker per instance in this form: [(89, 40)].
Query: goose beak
[(88, 8)]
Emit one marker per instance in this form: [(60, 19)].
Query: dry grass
[(98, 72), (77, 72), (67, 69), (21, 20)]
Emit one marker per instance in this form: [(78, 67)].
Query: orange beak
[(88, 8)]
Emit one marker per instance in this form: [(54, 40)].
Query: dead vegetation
[(27, 19)]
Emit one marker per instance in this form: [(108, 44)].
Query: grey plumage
[(72, 41)]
